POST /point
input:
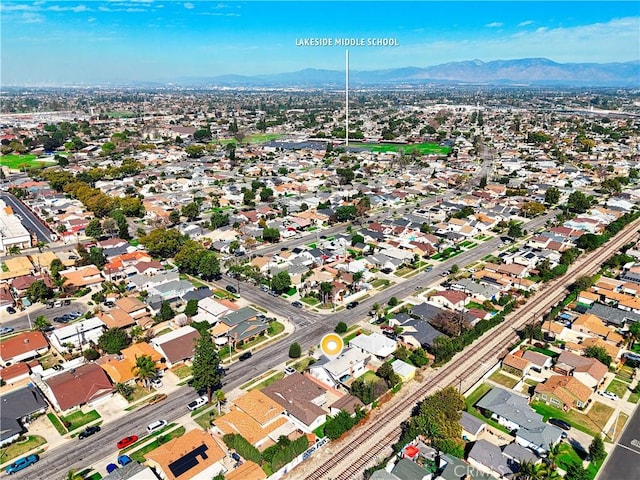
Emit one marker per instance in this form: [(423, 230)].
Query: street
[(624, 461), (29, 219)]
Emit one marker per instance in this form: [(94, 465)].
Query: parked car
[(231, 289), (87, 432), (157, 425), (609, 395), (111, 467), (21, 463), (264, 288), (289, 371), (124, 460), (351, 305), (5, 330), (386, 270), (245, 356), (559, 423), (75, 314), (197, 403), (156, 383), (126, 441), (66, 301), (62, 319), (11, 310), (297, 304)]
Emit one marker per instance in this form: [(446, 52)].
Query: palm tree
[(220, 399), (72, 474), (145, 369)]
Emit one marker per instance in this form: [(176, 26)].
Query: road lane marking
[(637, 452)]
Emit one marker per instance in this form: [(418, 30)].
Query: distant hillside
[(526, 71)]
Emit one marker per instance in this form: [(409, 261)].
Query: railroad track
[(362, 447)]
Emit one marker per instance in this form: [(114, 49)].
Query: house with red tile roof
[(22, 346), (563, 392), (86, 384), (451, 299), (194, 455)]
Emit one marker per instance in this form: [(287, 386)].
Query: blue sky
[(63, 42)]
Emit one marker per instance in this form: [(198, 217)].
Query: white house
[(374, 344), (79, 334), (349, 365)]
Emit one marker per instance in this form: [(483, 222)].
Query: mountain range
[(526, 71)]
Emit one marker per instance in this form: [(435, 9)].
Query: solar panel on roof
[(188, 461)]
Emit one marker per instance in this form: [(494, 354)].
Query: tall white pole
[(346, 129)]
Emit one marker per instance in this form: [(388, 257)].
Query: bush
[(294, 350), (393, 301), (341, 327), (91, 354), (243, 447)]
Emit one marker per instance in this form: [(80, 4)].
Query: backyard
[(592, 422), (505, 380)]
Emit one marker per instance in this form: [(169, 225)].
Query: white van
[(156, 426)]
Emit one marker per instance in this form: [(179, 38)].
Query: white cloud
[(525, 23), (91, 19), (494, 24), (189, 6), (76, 9)]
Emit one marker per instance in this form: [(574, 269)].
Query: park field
[(21, 161), (422, 148), (253, 138)]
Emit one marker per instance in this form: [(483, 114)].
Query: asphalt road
[(20, 321), (624, 462), (30, 221)]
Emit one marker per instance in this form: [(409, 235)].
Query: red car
[(126, 441)]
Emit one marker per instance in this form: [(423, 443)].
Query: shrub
[(294, 350), (341, 327), (243, 447)]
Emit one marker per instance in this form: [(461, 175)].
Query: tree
[(596, 449), (91, 354), (145, 370), (532, 209), (515, 229), (357, 238), (271, 235), (192, 308), (162, 242), (634, 332), (124, 389), (582, 283), (55, 268), (73, 474), (281, 281), (341, 327), (576, 472), (455, 268), (94, 229), (174, 217), (578, 202), (393, 301), (438, 415), (599, 353), (385, 371), (97, 258), (552, 196), (209, 266), (41, 323), (114, 340), (346, 213), (266, 194), (207, 375), (166, 312), (220, 399), (38, 291), (325, 290), (294, 350), (190, 210), (483, 181)]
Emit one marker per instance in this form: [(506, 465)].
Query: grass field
[(503, 379), (17, 449), (590, 423), (79, 419), (254, 138), (20, 161), (422, 148)]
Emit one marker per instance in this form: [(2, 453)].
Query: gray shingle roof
[(16, 405), (490, 455)]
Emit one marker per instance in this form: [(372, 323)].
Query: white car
[(197, 403), (156, 383), (289, 371), (156, 425), (609, 395)]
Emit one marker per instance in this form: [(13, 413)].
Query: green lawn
[(634, 397), (617, 387), (56, 423), (477, 394), (268, 381), (568, 455), (421, 148), (18, 449), (275, 328), (20, 161), (590, 423), (79, 419), (303, 364), (503, 379), (139, 454), (183, 371)]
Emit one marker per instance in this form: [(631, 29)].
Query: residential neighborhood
[(169, 277)]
